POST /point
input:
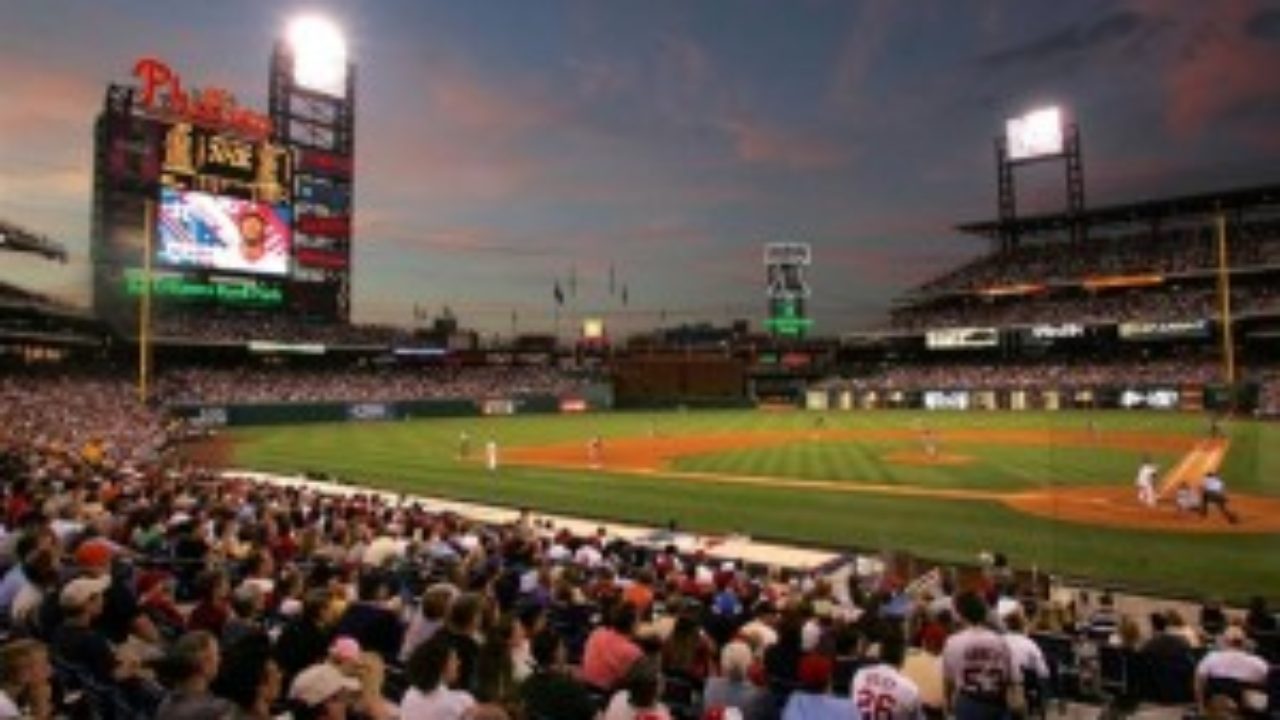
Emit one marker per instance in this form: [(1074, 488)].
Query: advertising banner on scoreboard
[(1044, 335), (962, 338), (946, 400), (1149, 398), (216, 232), (1169, 330)]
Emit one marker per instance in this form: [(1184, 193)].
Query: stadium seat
[(1167, 681), (1060, 655), (1250, 700)]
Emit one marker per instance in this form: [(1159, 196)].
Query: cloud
[(1072, 40), (755, 143), (1264, 25), (1220, 68), (867, 36)]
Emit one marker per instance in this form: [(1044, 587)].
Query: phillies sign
[(160, 91)]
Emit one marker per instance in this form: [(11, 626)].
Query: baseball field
[(1055, 490)]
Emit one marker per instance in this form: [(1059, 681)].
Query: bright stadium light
[(319, 55), (1038, 133)]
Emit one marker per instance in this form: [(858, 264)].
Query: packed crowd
[(274, 328), (1176, 251), (136, 583), (1269, 392), (264, 384), (1049, 375), (1162, 304)]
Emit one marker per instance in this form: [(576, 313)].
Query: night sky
[(501, 142)]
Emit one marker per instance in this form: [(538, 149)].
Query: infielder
[(491, 455), (595, 451), (464, 445), (1146, 482)]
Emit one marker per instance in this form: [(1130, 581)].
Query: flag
[(624, 295), (613, 279), (558, 294), (573, 281)]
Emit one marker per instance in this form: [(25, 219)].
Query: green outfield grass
[(419, 456)]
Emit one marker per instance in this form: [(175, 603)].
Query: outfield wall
[(1188, 398), (211, 415)]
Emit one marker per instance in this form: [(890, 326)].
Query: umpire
[(1215, 493)]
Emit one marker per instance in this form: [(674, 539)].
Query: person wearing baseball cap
[(76, 640), (322, 692), (121, 616)]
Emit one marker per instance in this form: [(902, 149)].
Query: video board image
[(215, 232)]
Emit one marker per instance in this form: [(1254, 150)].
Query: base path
[(1111, 506)]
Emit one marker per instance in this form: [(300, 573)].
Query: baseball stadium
[(1066, 430)]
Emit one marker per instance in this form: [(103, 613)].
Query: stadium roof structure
[(1142, 211), (19, 239)]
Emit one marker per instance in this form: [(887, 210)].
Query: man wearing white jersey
[(1146, 482), (1230, 662), (977, 666), (1024, 652), (880, 691)]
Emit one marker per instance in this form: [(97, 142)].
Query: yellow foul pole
[(1224, 304), (144, 302)]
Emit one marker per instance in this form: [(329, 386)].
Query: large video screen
[(216, 232)]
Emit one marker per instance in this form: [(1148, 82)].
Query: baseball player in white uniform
[(491, 455), (881, 691), (1146, 482)]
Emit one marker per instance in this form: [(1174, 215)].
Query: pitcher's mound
[(915, 457)]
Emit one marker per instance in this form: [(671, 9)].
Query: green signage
[(787, 320), (185, 289)]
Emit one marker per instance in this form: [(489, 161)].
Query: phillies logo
[(161, 91)]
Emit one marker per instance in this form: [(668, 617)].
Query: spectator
[(460, 633), (687, 651), (1163, 643), (611, 650), (305, 639), (812, 700), (429, 618), (214, 608), (193, 665), (321, 692), (639, 695), (551, 691), (733, 689), (76, 640), (1230, 662), (495, 665), (249, 678), (885, 680), (25, 681), (977, 668), (433, 669)]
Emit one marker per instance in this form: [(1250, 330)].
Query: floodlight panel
[(319, 55), (1036, 134)]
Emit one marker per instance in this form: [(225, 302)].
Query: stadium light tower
[(312, 100), (319, 54), (1042, 134)]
